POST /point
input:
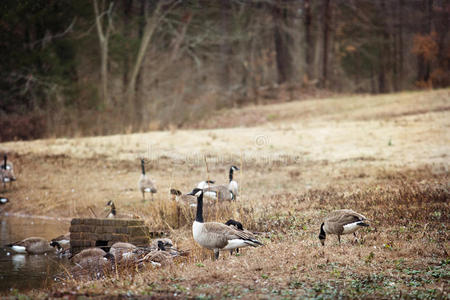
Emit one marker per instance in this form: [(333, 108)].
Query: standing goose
[(217, 236), (342, 221), (34, 245), (233, 185), (6, 172), (145, 184), (224, 192), (112, 213)]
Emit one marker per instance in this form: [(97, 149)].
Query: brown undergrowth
[(403, 253), (300, 170)]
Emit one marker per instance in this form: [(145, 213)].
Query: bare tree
[(103, 38)]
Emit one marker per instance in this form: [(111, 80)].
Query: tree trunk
[(283, 42), (149, 28), (128, 4), (308, 39), (225, 46), (103, 38), (326, 29)]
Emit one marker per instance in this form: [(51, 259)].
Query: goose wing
[(227, 233), (222, 191), (337, 219), (32, 240)]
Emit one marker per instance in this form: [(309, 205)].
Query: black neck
[(199, 217), (113, 209), (231, 174), (4, 162), (143, 168), (322, 233)]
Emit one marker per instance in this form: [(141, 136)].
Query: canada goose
[(123, 251), (339, 222), (205, 184), (4, 200), (6, 172), (113, 212), (87, 253), (224, 192), (186, 199), (217, 236), (238, 226), (233, 185), (145, 184), (93, 267), (34, 245), (219, 192), (159, 256), (161, 242), (63, 240)]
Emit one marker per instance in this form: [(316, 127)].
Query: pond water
[(21, 271)]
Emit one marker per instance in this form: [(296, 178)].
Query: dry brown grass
[(373, 155)]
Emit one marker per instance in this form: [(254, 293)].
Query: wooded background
[(71, 68)]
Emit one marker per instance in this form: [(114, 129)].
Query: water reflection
[(20, 271)]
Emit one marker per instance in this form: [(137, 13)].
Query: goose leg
[(216, 254), (356, 237), (339, 239), (143, 196)]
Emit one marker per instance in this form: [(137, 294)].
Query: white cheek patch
[(198, 193)]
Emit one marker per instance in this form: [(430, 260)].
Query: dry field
[(384, 156)]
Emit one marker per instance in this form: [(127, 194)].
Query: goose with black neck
[(218, 236)]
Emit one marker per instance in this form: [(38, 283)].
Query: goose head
[(175, 192), (161, 246), (56, 245), (235, 223), (234, 168), (196, 192)]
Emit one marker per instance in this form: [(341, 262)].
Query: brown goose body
[(145, 183), (123, 251), (33, 245), (217, 236), (342, 221), (183, 198), (90, 253), (221, 192)]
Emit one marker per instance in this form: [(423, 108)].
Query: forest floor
[(386, 157)]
